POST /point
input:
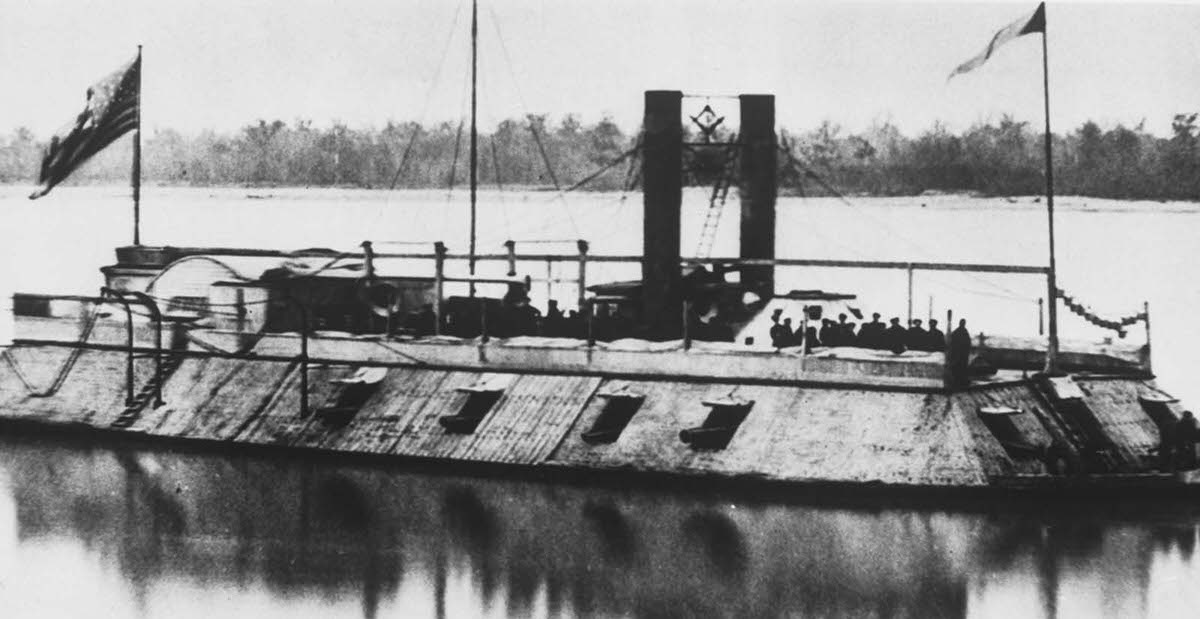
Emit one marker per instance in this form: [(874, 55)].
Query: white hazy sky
[(223, 63)]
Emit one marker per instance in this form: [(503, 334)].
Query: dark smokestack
[(758, 190), (662, 195)]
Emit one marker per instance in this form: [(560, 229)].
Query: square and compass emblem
[(707, 121)]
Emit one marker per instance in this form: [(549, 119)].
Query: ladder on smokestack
[(716, 202)]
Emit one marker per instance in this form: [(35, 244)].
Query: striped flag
[(1026, 25), (110, 112)]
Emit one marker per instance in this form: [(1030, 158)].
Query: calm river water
[(93, 531)]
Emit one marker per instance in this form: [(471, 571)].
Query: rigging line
[(508, 60), (1011, 298), (621, 199), (433, 85), (560, 195), (805, 171), (799, 166), (454, 162), (542, 150), (525, 107), (404, 158), (458, 140), (500, 186), (606, 167), (484, 89), (628, 185), (984, 293)]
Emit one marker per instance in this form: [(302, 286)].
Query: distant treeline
[(1003, 158)]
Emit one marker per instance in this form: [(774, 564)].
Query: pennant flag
[(1026, 25), (110, 112)]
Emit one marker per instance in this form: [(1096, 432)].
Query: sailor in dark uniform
[(935, 340), (810, 339), (894, 337), (845, 331), (781, 334), (871, 333), (916, 337), (960, 355), (828, 335), (552, 323)]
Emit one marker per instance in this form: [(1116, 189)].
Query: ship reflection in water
[(125, 532)]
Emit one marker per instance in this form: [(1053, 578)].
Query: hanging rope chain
[(1118, 325)]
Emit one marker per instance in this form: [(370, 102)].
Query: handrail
[(731, 261), (143, 299)]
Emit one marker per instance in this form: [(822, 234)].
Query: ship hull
[(868, 433)]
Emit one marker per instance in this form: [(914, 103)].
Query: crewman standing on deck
[(871, 333), (845, 331), (849, 337), (960, 355), (935, 340), (828, 334), (809, 338), (917, 338), (894, 337), (781, 333)]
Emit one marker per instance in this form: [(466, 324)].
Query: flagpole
[(474, 135), (1051, 275), (137, 158)]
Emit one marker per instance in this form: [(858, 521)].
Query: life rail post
[(483, 328), (368, 260), (803, 339), (591, 322), (1146, 319), (947, 372), (303, 358), (510, 247), (583, 257), (910, 295), (239, 303), (687, 320), (439, 284)]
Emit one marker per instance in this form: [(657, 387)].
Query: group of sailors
[(874, 334), (514, 315)]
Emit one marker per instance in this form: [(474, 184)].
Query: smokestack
[(757, 189), (662, 196)]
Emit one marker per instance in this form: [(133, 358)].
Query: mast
[(1051, 275), (474, 132), (136, 179)]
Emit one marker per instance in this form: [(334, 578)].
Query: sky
[(221, 64)]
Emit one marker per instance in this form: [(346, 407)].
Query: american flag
[(110, 112)]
